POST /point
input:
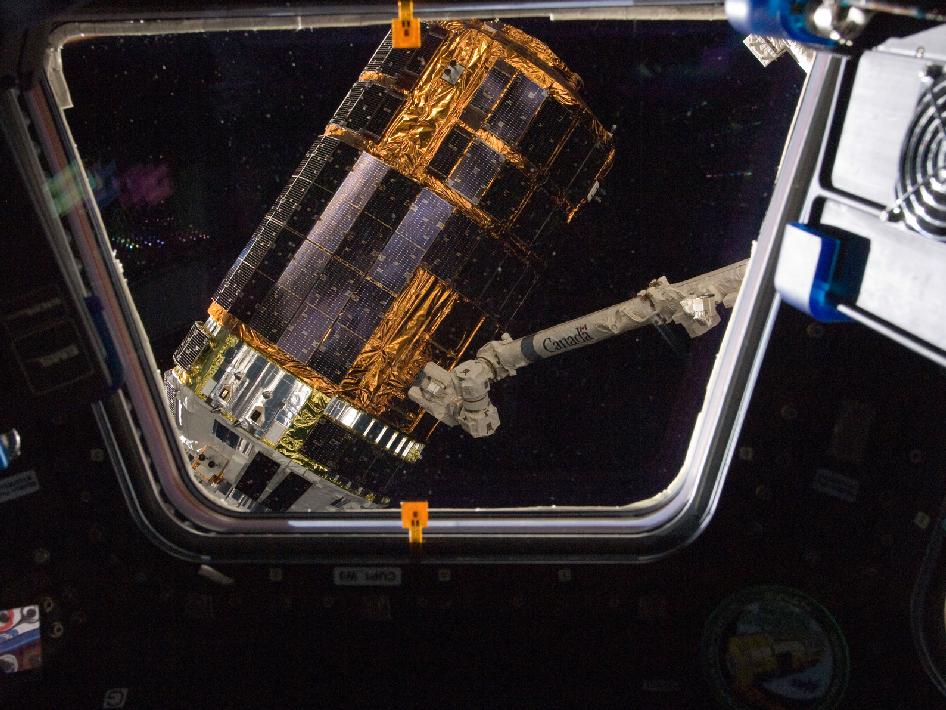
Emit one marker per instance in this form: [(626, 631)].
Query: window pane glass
[(219, 182)]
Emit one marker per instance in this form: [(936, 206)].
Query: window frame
[(141, 438)]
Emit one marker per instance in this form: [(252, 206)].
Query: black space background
[(699, 127)]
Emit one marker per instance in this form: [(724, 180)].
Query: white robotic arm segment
[(462, 396), (435, 391), (458, 397)]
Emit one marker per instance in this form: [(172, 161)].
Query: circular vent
[(921, 186)]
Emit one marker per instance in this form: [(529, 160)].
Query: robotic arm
[(461, 396)]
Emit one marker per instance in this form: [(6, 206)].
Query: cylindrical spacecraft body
[(413, 229)]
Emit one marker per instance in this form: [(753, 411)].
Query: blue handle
[(772, 18)]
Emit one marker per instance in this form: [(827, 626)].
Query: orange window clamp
[(414, 517), (405, 28)]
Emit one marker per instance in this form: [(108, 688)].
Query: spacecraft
[(414, 227)]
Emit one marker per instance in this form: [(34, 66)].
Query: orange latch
[(414, 518), (405, 29)]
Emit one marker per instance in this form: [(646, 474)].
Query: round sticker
[(773, 647)]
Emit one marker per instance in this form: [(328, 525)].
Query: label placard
[(367, 576), (18, 485)]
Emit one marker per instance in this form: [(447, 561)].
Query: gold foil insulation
[(399, 347), (542, 55), (434, 105), (290, 443)]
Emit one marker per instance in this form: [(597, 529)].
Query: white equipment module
[(871, 242)]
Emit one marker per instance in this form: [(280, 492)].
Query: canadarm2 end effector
[(461, 396)]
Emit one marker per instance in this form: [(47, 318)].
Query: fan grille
[(921, 185)]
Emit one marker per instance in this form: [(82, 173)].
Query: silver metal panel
[(929, 45), (905, 276), (881, 106), (257, 392)]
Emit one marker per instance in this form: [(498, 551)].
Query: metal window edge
[(681, 511)]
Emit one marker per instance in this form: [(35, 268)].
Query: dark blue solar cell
[(452, 247), (492, 87), (191, 349), (348, 202), (233, 283), (433, 37), (286, 492), (333, 224), (448, 154), (257, 475), (396, 263), (390, 200), (330, 161), (301, 273), (364, 310), (304, 333), (280, 253), (515, 110), (458, 323), (251, 295), (289, 199), (326, 442), (506, 192), (475, 171), (310, 207), (545, 133), (368, 108), (391, 103), (226, 435), (336, 354), (534, 216), (333, 287), (386, 59), (480, 269), (363, 242), (274, 313), (585, 178), (425, 219), (572, 156)]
